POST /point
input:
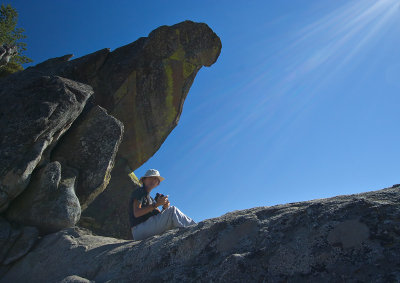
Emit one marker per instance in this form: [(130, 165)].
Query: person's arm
[(138, 210)]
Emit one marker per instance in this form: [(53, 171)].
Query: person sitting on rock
[(146, 219)]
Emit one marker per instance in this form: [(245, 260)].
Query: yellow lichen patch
[(125, 110), (140, 145), (188, 69), (169, 100), (179, 54), (128, 86), (133, 177)]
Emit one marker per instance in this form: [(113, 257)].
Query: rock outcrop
[(353, 238), (143, 84), (150, 79), (35, 111), (91, 146), (49, 203)]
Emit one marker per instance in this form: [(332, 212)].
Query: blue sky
[(303, 102)]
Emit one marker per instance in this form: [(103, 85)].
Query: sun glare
[(319, 50)]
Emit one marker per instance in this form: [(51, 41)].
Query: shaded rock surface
[(35, 111), (90, 146), (15, 242), (341, 239), (108, 214), (75, 279), (49, 202)]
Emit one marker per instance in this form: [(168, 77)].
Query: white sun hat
[(152, 173)]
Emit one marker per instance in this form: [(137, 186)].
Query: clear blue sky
[(302, 103)]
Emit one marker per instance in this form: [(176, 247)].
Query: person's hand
[(165, 206), (162, 201)]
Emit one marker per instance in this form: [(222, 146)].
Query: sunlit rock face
[(35, 111), (90, 146), (352, 238)]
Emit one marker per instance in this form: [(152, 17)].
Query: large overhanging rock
[(151, 79), (35, 111), (143, 84), (351, 238)]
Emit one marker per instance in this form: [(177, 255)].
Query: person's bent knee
[(171, 209)]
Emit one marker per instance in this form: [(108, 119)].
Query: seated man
[(145, 218)]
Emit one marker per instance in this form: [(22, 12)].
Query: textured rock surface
[(143, 84), (75, 279), (90, 147), (149, 88), (108, 214), (35, 111), (15, 242), (352, 238), (49, 202)]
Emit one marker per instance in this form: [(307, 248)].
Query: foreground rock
[(15, 242), (49, 203), (35, 111), (342, 239)]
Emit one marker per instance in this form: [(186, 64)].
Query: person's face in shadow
[(150, 183)]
